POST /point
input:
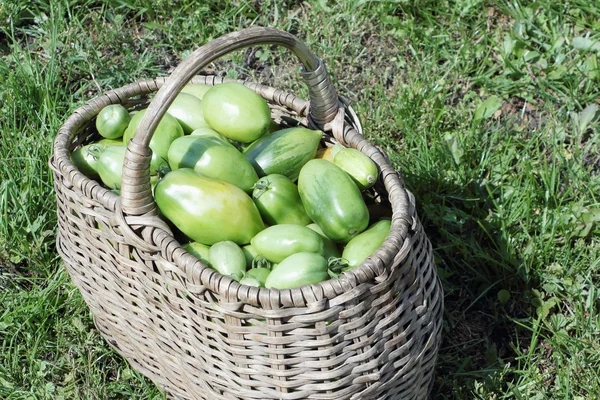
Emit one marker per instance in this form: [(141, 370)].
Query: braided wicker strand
[(371, 334)]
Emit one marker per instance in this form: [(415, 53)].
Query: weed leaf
[(486, 109), (585, 44)]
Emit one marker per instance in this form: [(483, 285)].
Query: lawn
[(490, 110)]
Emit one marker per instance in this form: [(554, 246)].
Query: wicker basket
[(371, 334)]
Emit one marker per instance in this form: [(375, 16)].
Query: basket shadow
[(479, 271)]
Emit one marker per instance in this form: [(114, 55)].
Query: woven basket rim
[(374, 267)]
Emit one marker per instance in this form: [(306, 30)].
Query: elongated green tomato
[(112, 121), (362, 246), (110, 166), (206, 210), (260, 274), (187, 110), (277, 242), (198, 250), (330, 249), (236, 112), (196, 89), (167, 131), (214, 159), (297, 270), (228, 259), (332, 200), (278, 201), (283, 152), (202, 132), (360, 167)]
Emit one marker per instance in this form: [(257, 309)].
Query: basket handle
[(136, 193)]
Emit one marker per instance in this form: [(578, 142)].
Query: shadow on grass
[(479, 271)]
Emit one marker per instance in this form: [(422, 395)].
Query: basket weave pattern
[(371, 334)]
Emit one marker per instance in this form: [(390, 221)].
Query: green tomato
[(250, 281), (202, 132), (365, 244), (213, 158), (86, 161), (356, 164), (332, 200), (236, 112), (112, 121), (187, 110), (167, 131), (86, 157), (110, 166), (250, 253), (228, 259), (278, 201), (297, 270), (330, 248), (283, 152), (278, 242), (260, 274), (196, 89), (198, 250), (206, 210)]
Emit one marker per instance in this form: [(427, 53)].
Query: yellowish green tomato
[(228, 259), (236, 112), (196, 89), (277, 242), (297, 270), (206, 210), (187, 110), (198, 250)]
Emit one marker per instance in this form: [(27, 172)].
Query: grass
[(489, 109)]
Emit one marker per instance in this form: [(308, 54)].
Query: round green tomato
[(298, 270), (330, 248), (278, 242), (236, 112), (206, 210), (332, 200), (278, 201), (86, 157), (110, 166), (187, 110), (86, 161), (196, 89), (198, 250), (365, 244), (213, 158), (112, 121), (167, 131), (228, 259)]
